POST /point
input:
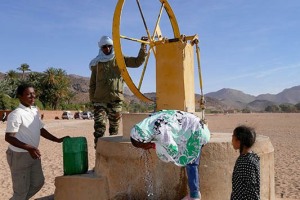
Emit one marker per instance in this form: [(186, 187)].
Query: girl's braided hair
[(246, 135)]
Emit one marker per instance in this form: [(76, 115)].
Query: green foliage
[(4, 87), (246, 110), (287, 108), (68, 106), (10, 83), (35, 79), (23, 68), (53, 92), (273, 108), (210, 111), (5, 102), (39, 104), (14, 103), (138, 107), (298, 106), (8, 103), (12, 74), (54, 88)]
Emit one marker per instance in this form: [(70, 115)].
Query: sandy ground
[(283, 130)]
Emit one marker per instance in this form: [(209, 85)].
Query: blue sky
[(252, 46)]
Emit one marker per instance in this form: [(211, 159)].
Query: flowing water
[(146, 157)]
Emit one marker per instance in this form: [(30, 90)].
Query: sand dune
[(283, 130)]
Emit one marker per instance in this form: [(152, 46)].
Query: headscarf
[(101, 57)]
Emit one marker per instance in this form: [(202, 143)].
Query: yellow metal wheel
[(153, 39)]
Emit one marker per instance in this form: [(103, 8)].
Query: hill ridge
[(223, 99)]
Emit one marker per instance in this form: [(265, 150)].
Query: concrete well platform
[(128, 173), (83, 186)]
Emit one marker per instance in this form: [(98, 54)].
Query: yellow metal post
[(175, 88)]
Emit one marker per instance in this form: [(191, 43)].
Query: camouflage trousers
[(104, 112)]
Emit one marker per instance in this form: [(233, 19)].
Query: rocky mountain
[(291, 95), (259, 105), (79, 84), (236, 99), (80, 87)]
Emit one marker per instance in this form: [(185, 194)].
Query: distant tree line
[(53, 90), (138, 107), (54, 93), (281, 108), (286, 108)]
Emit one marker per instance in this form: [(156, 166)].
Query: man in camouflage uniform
[(106, 86)]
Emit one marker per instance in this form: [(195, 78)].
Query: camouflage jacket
[(106, 82)]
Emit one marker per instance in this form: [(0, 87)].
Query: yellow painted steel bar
[(172, 18), (142, 15), (144, 69), (118, 48), (202, 100), (156, 30), (192, 38), (199, 68), (119, 54), (157, 21), (151, 41), (134, 39)]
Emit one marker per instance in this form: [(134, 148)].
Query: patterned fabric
[(110, 111), (246, 178), (178, 135)]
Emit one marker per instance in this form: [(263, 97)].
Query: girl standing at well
[(246, 172)]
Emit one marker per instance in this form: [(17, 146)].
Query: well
[(129, 173)]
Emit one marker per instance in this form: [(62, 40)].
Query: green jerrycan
[(75, 155)]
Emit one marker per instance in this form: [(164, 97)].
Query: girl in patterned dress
[(246, 172), (177, 137)]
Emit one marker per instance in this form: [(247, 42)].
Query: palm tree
[(62, 87), (35, 78), (11, 74), (4, 87), (12, 81), (49, 76), (55, 85), (24, 67)]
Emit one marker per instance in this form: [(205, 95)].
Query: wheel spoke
[(134, 39), (144, 69), (144, 21), (157, 30), (153, 41)]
